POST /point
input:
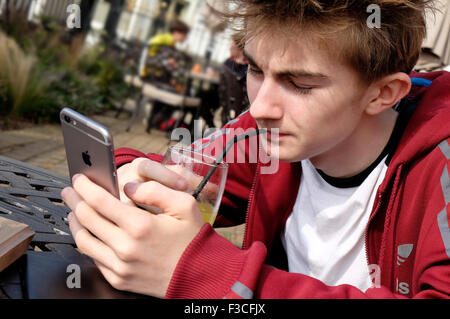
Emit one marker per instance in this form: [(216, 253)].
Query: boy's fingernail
[(74, 177), (130, 188), (64, 192), (70, 217)]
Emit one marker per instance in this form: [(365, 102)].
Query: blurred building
[(136, 21), (140, 19), (438, 31), (36, 8)]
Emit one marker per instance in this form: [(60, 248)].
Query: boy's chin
[(279, 153), (285, 154)]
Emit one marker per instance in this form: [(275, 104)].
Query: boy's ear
[(387, 91)]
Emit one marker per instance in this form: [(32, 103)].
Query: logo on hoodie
[(403, 252)]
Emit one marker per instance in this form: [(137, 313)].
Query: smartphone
[(89, 149)]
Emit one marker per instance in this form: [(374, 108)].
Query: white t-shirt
[(324, 236)]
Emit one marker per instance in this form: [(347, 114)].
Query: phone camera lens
[(67, 118)]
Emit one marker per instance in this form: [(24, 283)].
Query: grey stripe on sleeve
[(445, 148), (242, 290), (445, 184), (442, 220)]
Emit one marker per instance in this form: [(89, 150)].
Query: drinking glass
[(194, 166)]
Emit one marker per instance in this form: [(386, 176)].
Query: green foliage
[(108, 73), (65, 88), (110, 81), (19, 79), (43, 69)]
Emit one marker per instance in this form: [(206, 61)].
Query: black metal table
[(31, 195)]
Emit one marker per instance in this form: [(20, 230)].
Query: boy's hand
[(143, 170), (135, 251)]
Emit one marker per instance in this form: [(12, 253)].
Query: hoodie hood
[(429, 124)]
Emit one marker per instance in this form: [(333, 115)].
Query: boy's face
[(315, 101)]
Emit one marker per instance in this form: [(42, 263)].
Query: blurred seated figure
[(163, 58), (165, 66), (236, 62), (231, 92)]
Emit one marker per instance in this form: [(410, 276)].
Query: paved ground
[(42, 146)]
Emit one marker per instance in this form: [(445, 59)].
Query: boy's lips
[(270, 135)]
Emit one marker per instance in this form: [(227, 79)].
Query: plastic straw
[(220, 158)]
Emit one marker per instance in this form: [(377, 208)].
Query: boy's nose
[(267, 103)]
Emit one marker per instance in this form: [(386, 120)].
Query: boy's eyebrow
[(249, 58), (292, 73)]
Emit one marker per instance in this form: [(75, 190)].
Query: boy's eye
[(301, 89), (252, 70)]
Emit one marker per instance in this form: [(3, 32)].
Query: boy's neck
[(361, 149)]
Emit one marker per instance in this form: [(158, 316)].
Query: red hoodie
[(407, 236)]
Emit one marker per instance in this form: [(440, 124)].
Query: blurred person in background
[(232, 86), (165, 66)]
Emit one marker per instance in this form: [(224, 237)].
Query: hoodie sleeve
[(125, 155)]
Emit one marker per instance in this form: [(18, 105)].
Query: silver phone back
[(89, 149)]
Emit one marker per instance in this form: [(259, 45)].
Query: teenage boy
[(359, 205)]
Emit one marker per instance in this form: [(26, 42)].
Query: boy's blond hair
[(374, 51)]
